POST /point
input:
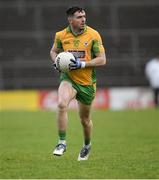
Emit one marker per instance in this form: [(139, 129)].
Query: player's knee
[(86, 122), (62, 105)]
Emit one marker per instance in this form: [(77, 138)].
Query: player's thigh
[(65, 93), (84, 110)]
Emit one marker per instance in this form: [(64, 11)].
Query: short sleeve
[(97, 44), (57, 42)]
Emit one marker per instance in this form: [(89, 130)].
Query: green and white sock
[(62, 142), (87, 142), (62, 137)]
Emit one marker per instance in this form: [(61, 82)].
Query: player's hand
[(55, 67), (76, 64)]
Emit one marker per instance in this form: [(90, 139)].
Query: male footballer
[(80, 82)]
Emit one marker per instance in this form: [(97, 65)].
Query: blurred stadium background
[(125, 143), (129, 30)]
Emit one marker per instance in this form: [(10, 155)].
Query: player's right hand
[(55, 67)]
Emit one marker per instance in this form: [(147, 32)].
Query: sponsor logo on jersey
[(66, 42), (78, 54)]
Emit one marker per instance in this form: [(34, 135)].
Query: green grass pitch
[(125, 144)]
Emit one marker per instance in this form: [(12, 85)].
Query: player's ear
[(69, 19)]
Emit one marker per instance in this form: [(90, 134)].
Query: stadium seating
[(129, 31)]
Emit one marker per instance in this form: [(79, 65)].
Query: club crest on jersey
[(86, 43)]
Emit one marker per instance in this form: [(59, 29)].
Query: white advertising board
[(130, 98)]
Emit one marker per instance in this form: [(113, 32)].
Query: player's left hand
[(76, 64)]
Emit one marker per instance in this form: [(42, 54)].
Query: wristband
[(83, 64)]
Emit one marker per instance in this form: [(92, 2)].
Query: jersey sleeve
[(57, 41), (97, 44)]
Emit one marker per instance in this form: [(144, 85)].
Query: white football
[(62, 61)]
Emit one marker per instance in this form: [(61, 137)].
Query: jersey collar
[(69, 29)]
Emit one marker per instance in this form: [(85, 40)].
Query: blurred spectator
[(152, 73)]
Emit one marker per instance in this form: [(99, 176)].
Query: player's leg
[(65, 94), (84, 113), (155, 96)]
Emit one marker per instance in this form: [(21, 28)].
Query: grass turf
[(125, 144)]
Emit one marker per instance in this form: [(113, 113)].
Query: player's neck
[(76, 31)]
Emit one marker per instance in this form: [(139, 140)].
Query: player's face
[(78, 21)]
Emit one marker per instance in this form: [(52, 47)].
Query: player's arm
[(98, 51), (56, 48), (100, 60), (53, 53)]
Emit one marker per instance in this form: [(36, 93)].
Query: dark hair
[(72, 10)]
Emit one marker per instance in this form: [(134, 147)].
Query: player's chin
[(82, 26)]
